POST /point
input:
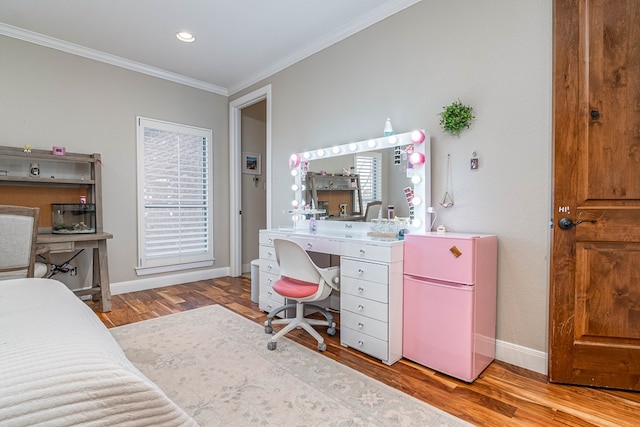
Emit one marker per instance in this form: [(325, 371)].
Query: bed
[(60, 366)]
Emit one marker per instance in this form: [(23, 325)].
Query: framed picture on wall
[(251, 163)]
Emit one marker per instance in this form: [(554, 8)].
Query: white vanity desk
[(370, 282)]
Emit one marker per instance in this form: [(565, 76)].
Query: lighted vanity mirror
[(409, 180)]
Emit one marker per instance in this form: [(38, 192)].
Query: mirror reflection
[(390, 174)]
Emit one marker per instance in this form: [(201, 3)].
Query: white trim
[(524, 357), (235, 196), (74, 49), (145, 271), (168, 280), (383, 11)]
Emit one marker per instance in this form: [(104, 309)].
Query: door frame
[(235, 172)]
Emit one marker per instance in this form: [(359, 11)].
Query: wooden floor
[(504, 395)]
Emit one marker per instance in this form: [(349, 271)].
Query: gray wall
[(496, 56), (49, 97)]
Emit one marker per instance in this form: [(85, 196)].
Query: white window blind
[(369, 167), (174, 183)]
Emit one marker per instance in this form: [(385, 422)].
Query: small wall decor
[(58, 151), (251, 163), (456, 117)]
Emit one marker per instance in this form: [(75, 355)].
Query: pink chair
[(302, 281)]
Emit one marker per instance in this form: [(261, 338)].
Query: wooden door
[(595, 270)]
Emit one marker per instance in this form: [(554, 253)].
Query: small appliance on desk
[(73, 218)]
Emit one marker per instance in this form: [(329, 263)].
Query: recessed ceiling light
[(185, 37)]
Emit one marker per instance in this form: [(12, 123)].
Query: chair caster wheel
[(272, 345), (322, 346), (331, 331), (268, 329)]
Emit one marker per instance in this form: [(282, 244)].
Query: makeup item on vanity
[(390, 212)]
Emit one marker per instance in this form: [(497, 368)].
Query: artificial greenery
[(456, 117)]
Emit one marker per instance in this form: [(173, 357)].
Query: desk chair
[(302, 281), (18, 234)]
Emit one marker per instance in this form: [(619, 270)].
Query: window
[(369, 167), (174, 194)]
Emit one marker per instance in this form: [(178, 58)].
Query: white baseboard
[(524, 357), (167, 280)]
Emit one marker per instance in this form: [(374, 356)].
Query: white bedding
[(59, 365)]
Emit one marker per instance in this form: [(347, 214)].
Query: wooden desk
[(59, 243)]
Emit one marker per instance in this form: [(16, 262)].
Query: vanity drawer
[(372, 327), (267, 252), (361, 288), (267, 278), (267, 291), (265, 238), (317, 245), (269, 266), (370, 271), (365, 307), (370, 252), (364, 343)]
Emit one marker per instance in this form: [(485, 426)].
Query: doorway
[(236, 108)]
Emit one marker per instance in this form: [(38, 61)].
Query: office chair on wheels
[(19, 230), (304, 282)]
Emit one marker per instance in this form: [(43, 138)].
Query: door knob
[(567, 223)]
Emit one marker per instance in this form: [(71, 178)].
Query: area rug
[(215, 364)]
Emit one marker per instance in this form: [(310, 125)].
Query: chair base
[(299, 322)]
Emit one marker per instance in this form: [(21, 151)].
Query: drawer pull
[(270, 240), (360, 307), (361, 251), (360, 343), (360, 271), (269, 254), (360, 325), (309, 245), (360, 289), (270, 293), (269, 267), (269, 280)]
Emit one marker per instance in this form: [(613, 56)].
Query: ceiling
[(238, 42)]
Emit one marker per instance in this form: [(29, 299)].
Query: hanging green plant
[(456, 117)]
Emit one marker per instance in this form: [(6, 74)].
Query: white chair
[(19, 231), (303, 282)]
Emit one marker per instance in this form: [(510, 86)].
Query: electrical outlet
[(73, 271)]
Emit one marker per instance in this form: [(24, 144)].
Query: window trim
[(144, 265)]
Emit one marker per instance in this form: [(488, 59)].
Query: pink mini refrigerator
[(449, 317)]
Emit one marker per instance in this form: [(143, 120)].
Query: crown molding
[(383, 11), (74, 49), (376, 15)]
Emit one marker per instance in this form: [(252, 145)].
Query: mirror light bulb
[(294, 172), (320, 153), (306, 155), (371, 143), (294, 203), (416, 201), (294, 161), (353, 146), (416, 223), (393, 140), (294, 217), (294, 187), (417, 159), (303, 187), (335, 150), (416, 179), (417, 136)]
